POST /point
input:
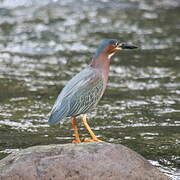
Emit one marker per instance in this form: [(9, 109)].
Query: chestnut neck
[(102, 63)]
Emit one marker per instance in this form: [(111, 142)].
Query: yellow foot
[(76, 141), (92, 140)]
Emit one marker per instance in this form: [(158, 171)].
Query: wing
[(80, 94), (86, 97)]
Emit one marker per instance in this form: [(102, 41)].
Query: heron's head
[(112, 46)]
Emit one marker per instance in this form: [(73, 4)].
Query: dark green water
[(44, 43)]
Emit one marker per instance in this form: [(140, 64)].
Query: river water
[(44, 43)]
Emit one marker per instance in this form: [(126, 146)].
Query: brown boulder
[(84, 161)]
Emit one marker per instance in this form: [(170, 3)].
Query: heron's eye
[(116, 44)]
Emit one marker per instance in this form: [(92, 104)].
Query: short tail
[(57, 116)]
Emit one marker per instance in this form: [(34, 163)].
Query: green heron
[(82, 93)]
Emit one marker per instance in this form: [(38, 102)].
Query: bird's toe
[(76, 141), (92, 140)]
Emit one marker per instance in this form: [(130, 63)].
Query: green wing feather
[(86, 97), (79, 95)]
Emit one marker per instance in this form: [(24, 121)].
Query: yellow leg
[(94, 138), (76, 134)]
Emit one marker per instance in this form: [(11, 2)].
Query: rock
[(84, 161)]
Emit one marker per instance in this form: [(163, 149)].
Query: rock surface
[(84, 161)]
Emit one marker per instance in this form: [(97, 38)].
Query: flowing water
[(44, 43)]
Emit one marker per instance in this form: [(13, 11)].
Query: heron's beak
[(122, 46), (127, 46)]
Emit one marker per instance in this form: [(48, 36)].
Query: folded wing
[(79, 96)]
